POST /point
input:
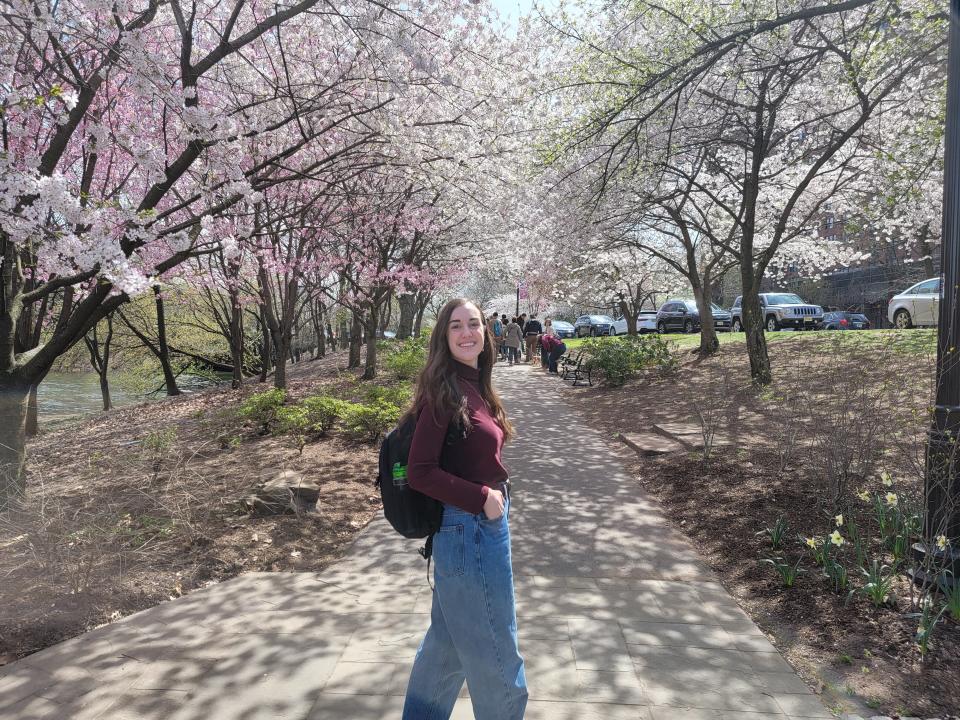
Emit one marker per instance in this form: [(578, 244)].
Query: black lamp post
[(942, 482)]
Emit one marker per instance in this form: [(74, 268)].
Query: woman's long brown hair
[(437, 383)]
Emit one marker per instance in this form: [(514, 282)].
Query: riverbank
[(131, 507)]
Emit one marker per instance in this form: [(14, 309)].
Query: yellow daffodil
[(812, 543), (886, 479), (892, 500), (839, 519), (864, 495), (836, 538), (942, 542)]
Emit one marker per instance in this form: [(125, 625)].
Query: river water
[(62, 395)]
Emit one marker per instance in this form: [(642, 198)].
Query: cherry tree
[(127, 127), (777, 99)]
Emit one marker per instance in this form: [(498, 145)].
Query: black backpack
[(411, 513)]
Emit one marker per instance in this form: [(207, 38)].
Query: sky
[(511, 10)]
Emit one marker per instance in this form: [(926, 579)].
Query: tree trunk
[(33, 413), (385, 313), (100, 361), (422, 301), (321, 340), (283, 352), (169, 378), (709, 343), (408, 311), (925, 250), (266, 344), (752, 319), (373, 322), (627, 312), (236, 339), (356, 331), (14, 397)]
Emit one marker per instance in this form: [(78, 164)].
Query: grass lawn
[(916, 341)]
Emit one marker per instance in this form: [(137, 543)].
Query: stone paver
[(650, 444), (618, 617)]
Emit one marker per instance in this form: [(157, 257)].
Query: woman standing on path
[(513, 339), (473, 623)]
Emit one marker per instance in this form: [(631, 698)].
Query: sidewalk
[(618, 618)]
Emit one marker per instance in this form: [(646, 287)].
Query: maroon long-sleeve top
[(471, 464)]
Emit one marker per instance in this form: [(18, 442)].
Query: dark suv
[(682, 315), (594, 325), (780, 310)]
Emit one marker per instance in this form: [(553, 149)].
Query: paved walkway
[(618, 618)]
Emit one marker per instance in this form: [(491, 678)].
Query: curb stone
[(887, 717)]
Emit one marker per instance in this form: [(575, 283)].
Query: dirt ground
[(139, 505), (823, 389)]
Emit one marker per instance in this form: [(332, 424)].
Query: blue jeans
[(473, 624)]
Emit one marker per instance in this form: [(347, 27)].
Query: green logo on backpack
[(399, 474)]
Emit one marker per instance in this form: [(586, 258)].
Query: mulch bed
[(111, 527), (844, 650)]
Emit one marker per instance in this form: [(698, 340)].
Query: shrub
[(369, 422), (406, 357), (620, 359), (293, 420), (323, 412), (262, 408), (399, 395)]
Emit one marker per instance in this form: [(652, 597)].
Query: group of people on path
[(521, 334)]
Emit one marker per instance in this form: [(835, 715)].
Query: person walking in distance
[(496, 327), (473, 626), (513, 338), (522, 321), (504, 321), (531, 331)]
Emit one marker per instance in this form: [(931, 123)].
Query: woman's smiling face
[(465, 334)]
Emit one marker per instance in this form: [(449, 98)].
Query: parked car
[(646, 323), (593, 325), (842, 320), (563, 329), (917, 305), (682, 315), (781, 310)]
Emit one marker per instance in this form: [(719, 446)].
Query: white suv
[(917, 305)]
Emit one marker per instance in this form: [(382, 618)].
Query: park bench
[(577, 369), (567, 361)]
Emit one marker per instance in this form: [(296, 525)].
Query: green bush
[(293, 420), (399, 395), (620, 359), (369, 422), (323, 412), (406, 357), (262, 408)]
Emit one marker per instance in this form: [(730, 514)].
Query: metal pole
[(942, 482), (517, 311)]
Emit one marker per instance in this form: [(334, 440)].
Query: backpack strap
[(427, 553)]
